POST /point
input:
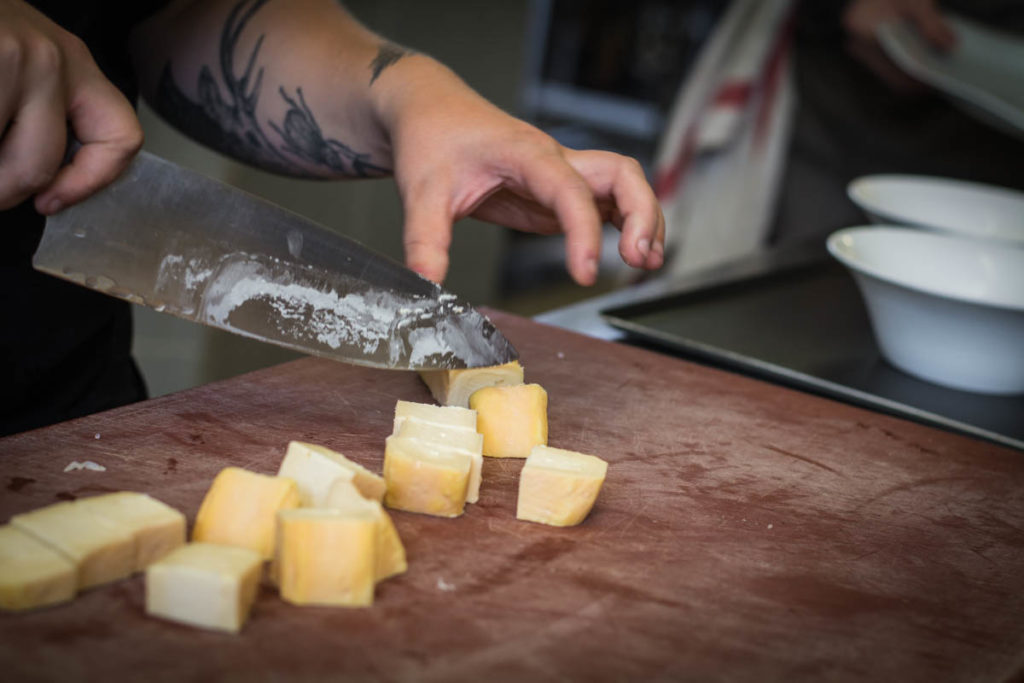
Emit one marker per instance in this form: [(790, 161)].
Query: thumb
[(427, 234), (105, 124)]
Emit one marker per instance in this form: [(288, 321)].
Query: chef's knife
[(184, 244)]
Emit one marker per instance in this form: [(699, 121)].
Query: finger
[(427, 232), (105, 124), (622, 179), (554, 183), (10, 88), (33, 146), (656, 259), (932, 24)]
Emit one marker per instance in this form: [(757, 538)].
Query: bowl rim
[(855, 193), (857, 266)]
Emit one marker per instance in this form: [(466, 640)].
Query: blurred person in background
[(859, 114)]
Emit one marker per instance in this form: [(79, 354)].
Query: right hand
[(49, 84)]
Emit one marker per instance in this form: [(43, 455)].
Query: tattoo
[(229, 123), (388, 54)]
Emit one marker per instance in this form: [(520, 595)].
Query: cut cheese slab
[(559, 487), (390, 553), (32, 574), (327, 556), (157, 528), (425, 477), (102, 550), (454, 387), (460, 438), (241, 509), (512, 419), (314, 468), (205, 585), (446, 415)]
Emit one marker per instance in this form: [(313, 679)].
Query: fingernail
[(53, 206), (643, 246), (590, 269), (658, 248)]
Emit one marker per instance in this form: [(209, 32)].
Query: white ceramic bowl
[(946, 309), (943, 204)]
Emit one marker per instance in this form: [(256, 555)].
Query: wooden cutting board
[(745, 532)]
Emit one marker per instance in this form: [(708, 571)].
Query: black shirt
[(64, 349)]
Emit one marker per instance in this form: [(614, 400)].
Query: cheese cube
[(314, 468), (327, 557), (32, 574), (241, 508), (559, 487), (389, 553), (102, 550), (447, 415), (512, 419), (460, 438), (205, 585), (425, 477), (157, 528), (454, 387)]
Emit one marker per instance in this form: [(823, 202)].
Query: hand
[(48, 83), (456, 155), (861, 19)]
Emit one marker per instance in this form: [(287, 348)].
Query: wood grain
[(745, 532)]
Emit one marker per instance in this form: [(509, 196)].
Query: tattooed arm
[(300, 87)]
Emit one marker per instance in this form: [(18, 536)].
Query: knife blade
[(184, 244)]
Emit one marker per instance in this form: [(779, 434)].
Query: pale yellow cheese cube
[(512, 419), (327, 556), (102, 550), (206, 585), (447, 415), (425, 477), (559, 487), (454, 387), (158, 528), (461, 438), (390, 553), (32, 574), (241, 509), (314, 468)]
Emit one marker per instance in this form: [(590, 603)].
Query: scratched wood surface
[(746, 532)]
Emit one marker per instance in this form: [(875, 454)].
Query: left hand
[(461, 156)]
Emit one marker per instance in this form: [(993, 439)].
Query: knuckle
[(12, 53), (133, 140), (632, 165), (44, 56)]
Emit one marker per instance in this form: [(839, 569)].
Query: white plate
[(946, 309), (956, 206), (985, 69)]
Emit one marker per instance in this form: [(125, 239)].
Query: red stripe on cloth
[(734, 94), (668, 181)]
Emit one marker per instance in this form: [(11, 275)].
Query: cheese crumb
[(87, 465)]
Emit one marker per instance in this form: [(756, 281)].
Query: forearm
[(293, 86)]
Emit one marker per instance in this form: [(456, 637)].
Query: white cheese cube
[(460, 438), (205, 585)]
